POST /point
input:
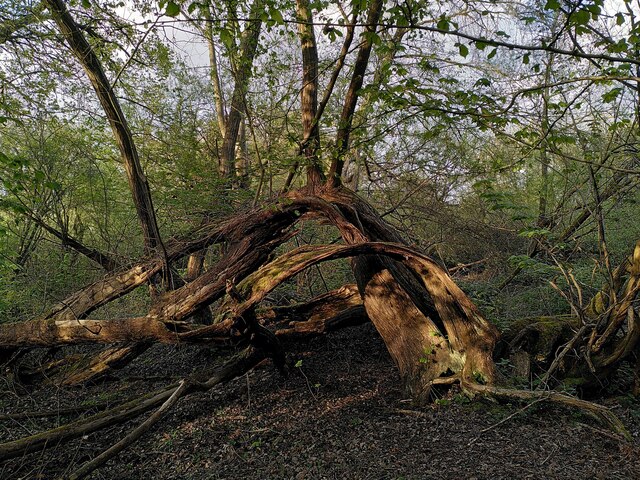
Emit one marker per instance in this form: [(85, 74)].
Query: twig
[(560, 356), (413, 413), (50, 438), (53, 413), (466, 265), (134, 435), (506, 419), (613, 436), (603, 414)]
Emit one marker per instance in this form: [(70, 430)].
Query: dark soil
[(340, 415)]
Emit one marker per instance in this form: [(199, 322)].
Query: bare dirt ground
[(340, 415)]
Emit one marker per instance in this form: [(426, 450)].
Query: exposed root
[(600, 413)]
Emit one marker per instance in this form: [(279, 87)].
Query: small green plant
[(461, 399), (355, 421), (425, 358), (316, 386), (256, 444), (478, 377)]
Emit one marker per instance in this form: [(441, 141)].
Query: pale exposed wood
[(333, 310)]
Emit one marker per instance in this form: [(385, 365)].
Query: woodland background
[(501, 139)]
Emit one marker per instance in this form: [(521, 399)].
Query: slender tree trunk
[(327, 93), (351, 99), (109, 101), (309, 94), (242, 74), (214, 74)]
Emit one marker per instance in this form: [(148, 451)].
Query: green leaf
[(480, 45), (525, 59), (443, 24), (226, 38), (492, 53), (173, 9), (464, 50), (55, 186), (534, 232), (552, 5), (619, 18), (611, 95), (298, 364), (581, 17), (86, 4), (372, 37), (277, 16)]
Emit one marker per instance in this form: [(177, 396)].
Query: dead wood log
[(76, 369), (464, 344), (252, 237), (328, 312), (134, 435), (50, 438), (600, 413), (61, 412), (427, 313), (590, 349)]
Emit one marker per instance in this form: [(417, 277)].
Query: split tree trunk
[(430, 327)]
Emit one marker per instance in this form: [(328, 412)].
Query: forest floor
[(340, 415)]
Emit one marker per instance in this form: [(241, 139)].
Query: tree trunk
[(242, 74), (429, 326), (93, 67), (353, 93), (309, 94)]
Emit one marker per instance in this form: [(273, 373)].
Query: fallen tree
[(448, 335), (587, 348), (433, 331)]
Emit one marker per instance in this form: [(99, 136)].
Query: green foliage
[(172, 9), (452, 149)]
